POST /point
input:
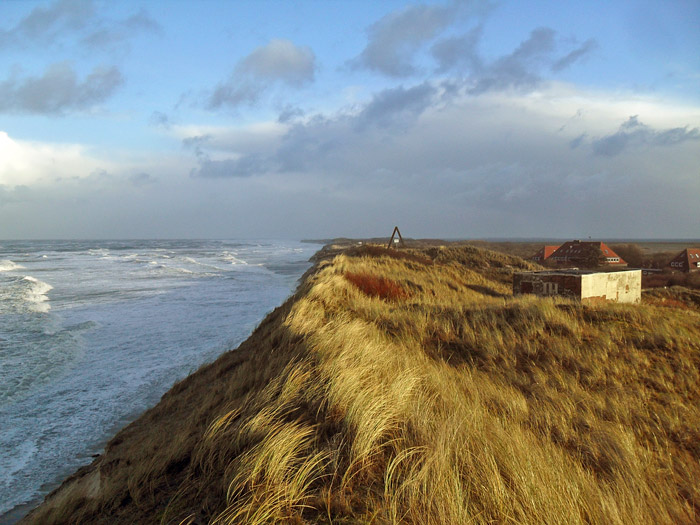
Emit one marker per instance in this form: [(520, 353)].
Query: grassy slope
[(419, 390)]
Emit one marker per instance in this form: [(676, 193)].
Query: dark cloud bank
[(634, 133)]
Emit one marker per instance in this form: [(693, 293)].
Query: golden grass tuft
[(448, 402)]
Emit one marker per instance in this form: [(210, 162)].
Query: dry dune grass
[(439, 399)]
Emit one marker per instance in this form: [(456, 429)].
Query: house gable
[(581, 252), (544, 253), (686, 261)]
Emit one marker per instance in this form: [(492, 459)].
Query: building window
[(551, 288)]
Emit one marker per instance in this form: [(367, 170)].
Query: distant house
[(544, 253), (585, 285), (586, 253), (686, 261)]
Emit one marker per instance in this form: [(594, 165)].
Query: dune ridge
[(412, 387)]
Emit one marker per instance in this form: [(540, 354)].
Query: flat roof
[(574, 271)]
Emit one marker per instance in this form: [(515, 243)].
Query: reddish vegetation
[(377, 286), (668, 302), (689, 280)]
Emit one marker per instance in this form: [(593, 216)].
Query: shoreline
[(21, 512), (31, 485), (376, 333)]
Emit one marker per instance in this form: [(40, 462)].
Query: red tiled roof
[(605, 249), (573, 250), (689, 258), (544, 253), (549, 250)]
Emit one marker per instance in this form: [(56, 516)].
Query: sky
[(318, 119)]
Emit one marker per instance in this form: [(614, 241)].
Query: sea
[(92, 333)]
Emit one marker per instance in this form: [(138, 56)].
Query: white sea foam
[(7, 266), (229, 257), (23, 453), (181, 270), (172, 269), (35, 294)]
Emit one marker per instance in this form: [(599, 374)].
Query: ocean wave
[(172, 269), (81, 327), (7, 265), (231, 258), (24, 450), (40, 350), (190, 260), (35, 294)]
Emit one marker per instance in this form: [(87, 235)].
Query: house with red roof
[(544, 253), (686, 261), (586, 253)]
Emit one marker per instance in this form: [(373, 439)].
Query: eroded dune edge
[(412, 387)]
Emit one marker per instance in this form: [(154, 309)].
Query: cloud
[(115, 33), (141, 21), (142, 179), (461, 164), (75, 19), (577, 54), (24, 163), (58, 90), (196, 143), (392, 107), (577, 141), (294, 145), (44, 25), (278, 62), (245, 166), (459, 52), (159, 119), (233, 93), (395, 38), (289, 113), (12, 195), (457, 166), (519, 68), (633, 133)]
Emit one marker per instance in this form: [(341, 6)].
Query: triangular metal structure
[(391, 241)]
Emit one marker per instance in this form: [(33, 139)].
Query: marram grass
[(417, 389)]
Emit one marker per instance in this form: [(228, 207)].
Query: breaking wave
[(35, 294), (7, 266)]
